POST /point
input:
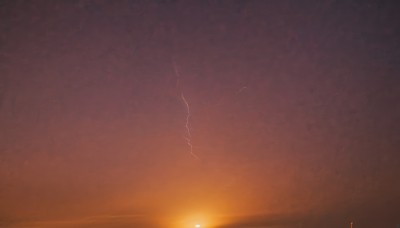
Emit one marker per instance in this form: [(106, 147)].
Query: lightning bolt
[(188, 136)]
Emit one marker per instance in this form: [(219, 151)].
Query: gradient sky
[(294, 114)]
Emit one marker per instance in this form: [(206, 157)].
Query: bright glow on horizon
[(197, 226)]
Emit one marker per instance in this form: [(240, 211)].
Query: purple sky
[(292, 116)]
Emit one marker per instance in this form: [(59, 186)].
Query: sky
[(226, 114)]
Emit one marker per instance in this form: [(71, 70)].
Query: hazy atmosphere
[(211, 114)]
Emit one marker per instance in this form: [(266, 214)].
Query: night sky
[(226, 114)]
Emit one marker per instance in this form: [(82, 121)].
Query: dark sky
[(228, 114)]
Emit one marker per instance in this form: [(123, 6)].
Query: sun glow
[(197, 226)]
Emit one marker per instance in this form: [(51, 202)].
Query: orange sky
[(292, 112)]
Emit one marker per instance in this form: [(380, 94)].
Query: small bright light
[(197, 226)]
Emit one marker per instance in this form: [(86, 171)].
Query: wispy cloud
[(117, 220), (266, 220)]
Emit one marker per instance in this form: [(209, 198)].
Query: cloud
[(258, 221), (367, 215), (99, 221)]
